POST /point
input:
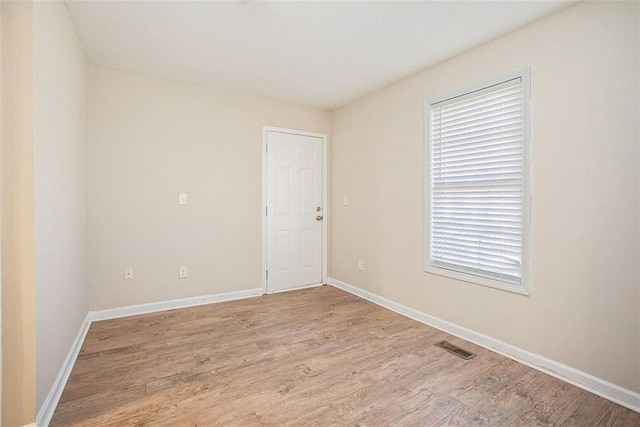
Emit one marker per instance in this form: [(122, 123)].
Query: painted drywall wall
[(0, 215), (60, 165), (150, 139), (584, 303), (18, 276)]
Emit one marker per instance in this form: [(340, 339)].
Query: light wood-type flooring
[(317, 357)]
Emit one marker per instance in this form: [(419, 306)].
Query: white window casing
[(477, 215)]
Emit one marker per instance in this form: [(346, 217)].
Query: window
[(477, 197)]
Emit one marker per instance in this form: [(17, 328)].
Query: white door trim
[(325, 206)]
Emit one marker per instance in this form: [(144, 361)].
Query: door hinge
[(266, 211), (267, 274), (266, 147)]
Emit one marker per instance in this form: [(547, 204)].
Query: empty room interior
[(272, 213)]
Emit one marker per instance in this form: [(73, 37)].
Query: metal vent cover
[(454, 349)]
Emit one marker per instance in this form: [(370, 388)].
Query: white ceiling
[(322, 54)]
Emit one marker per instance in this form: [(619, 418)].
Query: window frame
[(525, 284)]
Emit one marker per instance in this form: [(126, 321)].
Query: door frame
[(325, 206)]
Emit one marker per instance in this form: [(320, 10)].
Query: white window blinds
[(476, 187)]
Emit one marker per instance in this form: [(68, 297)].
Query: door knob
[(319, 218)]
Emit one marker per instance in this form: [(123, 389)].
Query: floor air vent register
[(454, 349)]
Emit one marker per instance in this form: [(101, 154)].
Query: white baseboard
[(585, 381), (49, 405), (132, 310)]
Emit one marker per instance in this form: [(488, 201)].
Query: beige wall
[(1, 214), (150, 139), (18, 340), (60, 157), (585, 299)]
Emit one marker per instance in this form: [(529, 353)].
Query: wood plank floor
[(317, 356)]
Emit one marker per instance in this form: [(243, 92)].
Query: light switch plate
[(182, 198), (128, 273)]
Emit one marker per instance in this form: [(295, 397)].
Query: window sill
[(478, 280)]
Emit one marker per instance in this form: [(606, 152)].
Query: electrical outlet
[(361, 264), (182, 272), (128, 273)]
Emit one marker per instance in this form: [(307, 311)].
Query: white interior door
[(294, 210)]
